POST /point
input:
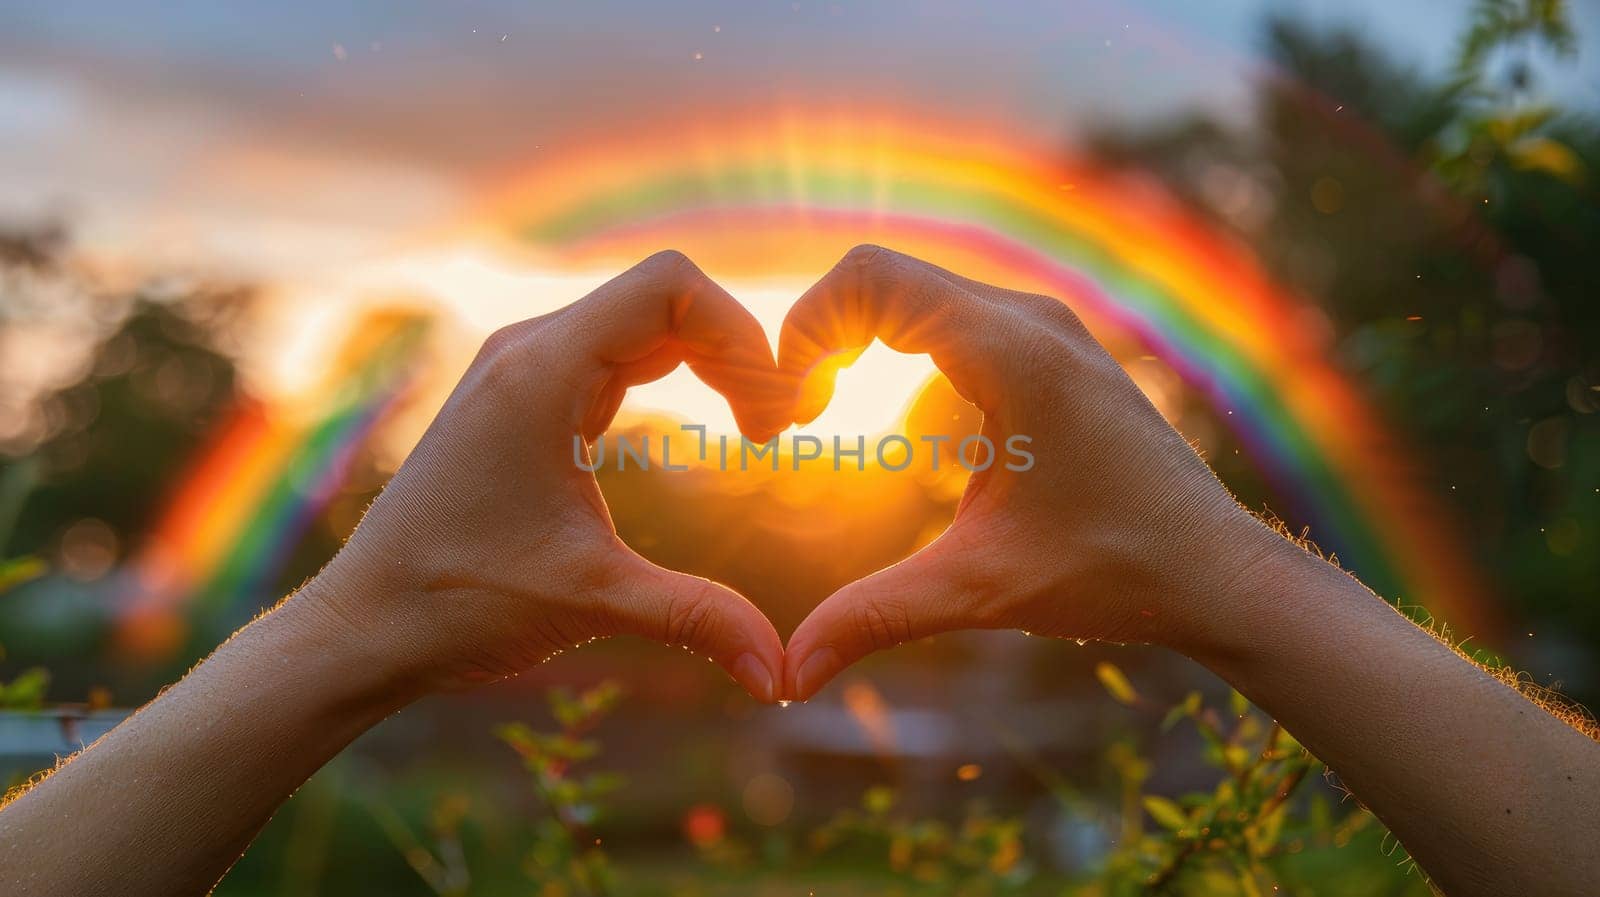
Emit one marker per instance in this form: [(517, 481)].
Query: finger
[(703, 616), (970, 331), (930, 592), (641, 324)]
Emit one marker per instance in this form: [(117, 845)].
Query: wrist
[(320, 627), (1246, 578), (1274, 597)]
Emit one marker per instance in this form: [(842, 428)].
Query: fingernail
[(754, 676), (815, 672)]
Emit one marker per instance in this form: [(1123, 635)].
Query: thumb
[(705, 617), (925, 594)]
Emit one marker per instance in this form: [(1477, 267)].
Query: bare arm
[(1488, 792), (1120, 532), (164, 803), (488, 552)]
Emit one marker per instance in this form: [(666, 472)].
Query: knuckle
[(668, 264), (1042, 316), (1055, 340), (689, 619), (511, 363), (518, 361), (884, 623), (864, 253), (868, 258), (500, 365), (507, 340)]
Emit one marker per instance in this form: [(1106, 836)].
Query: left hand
[(491, 550)]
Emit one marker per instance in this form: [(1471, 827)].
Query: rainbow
[(255, 487), (787, 195)]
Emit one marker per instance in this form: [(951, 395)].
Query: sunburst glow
[(872, 394)]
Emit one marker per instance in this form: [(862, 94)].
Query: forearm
[(165, 803), (1488, 792)]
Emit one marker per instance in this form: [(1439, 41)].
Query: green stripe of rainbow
[(244, 502)]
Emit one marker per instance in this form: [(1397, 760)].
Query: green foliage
[(16, 571), (119, 436), (438, 856), (1447, 230), (981, 855), (565, 858), (1256, 831), (1230, 839), (26, 691), (1502, 24), (1501, 125)]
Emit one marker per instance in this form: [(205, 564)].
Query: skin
[(1121, 533), (490, 550)]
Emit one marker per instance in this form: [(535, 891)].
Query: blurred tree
[(85, 471), (114, 439), (1449, 229)]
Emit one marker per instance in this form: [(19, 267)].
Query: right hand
[(1119, 532)]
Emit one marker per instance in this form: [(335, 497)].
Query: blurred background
[(1349, 249)]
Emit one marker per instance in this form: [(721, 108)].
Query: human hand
[(1119, 532), (491, 550)]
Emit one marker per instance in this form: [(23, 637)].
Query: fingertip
[(816, 391), (761, 429), (756, 677), (813, 672)]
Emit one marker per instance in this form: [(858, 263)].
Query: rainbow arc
[(787, 196)]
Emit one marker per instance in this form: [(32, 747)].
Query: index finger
[(971, 332), (641, 324)]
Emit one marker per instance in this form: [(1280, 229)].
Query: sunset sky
[(334, 153)]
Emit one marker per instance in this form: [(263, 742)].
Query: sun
[(871, 396)]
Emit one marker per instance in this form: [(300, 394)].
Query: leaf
[(1167, 813), (1320, 816), (16, 571), (1225, 793), (565, 747), (602, 698), (878, 800), (601, 784), (26, 692), (1270, 827), (1131, 768), (1188, 708), (1236, 756), (1535, 154), (517, 735), (565, 708), (1116, 683), (564, 793), (1239, 704)]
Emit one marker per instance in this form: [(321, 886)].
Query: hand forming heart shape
[(1110, 535), (490, 550)]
